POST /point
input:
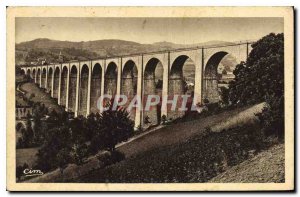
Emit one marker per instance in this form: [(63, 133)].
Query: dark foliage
[(19, 171), (262, 74), (191, 161), (261, 79), (114, 126), (109, 158), (272, 117), (72, 140), (52, 55), (54, 153)]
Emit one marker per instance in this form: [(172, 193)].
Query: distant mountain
[(45, 48)]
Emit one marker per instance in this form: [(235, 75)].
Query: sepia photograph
[(150, 98)]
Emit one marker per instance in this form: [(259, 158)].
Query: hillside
[(164, 149), (35, 94), (267, 166), (45, 48)]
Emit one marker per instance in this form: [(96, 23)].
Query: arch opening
[(20, 126), (95, 87), (83, 93), (28, 73), (33, 75), (20, 130), (153, 84), (217, 75), (72, 89), (56, 83), (181, 83), (44, 82), (38, 80), (22, 72), (129, 84), (49, 80), (63, 86), (111, 77)]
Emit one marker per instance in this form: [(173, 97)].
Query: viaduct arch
[(78, 85)]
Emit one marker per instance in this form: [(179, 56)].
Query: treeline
[(261, 79), (52, 55), (64, 139)]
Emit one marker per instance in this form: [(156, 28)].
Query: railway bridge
[(78, 85)]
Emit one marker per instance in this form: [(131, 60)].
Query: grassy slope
[(267, 166), (158, 139), (172, 154), (180, 132), (40, 96)]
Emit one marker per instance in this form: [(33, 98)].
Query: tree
[(63, 158), (115, 126), (261, 79), (262, 74), (56, 149)]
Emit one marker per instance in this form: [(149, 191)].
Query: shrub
[(108, 158), (80, 152), (272, 117), (115, 126), (117, 156), (56, 149)]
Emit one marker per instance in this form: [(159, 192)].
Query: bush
[(115, 126), (55, 151), (117, 156), (108, 158), (80, 152), (272, 117)]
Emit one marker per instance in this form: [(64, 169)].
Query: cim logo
[(31, 172)]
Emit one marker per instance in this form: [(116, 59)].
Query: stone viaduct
[(78, 85)]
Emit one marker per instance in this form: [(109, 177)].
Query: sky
[(146, 30)]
